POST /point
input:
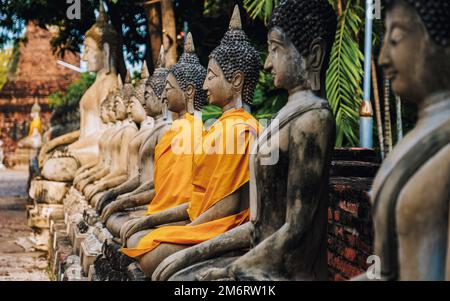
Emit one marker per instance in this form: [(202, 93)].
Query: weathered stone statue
[(410, 194), (220, 175), (100, 53), (146, 124), (118, 147), (287, 232), (172, 187), (34, 138)]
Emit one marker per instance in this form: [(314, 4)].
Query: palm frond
[(345, 74)]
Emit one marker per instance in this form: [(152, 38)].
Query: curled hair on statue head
[(304, 21), (235, 53), (189, 71), (435, 15)]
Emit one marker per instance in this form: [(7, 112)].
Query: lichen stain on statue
[(410, 193), (100, 53)]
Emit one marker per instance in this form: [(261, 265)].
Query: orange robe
[(220, 169), (173, 164)]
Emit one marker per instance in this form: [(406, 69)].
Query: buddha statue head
[(122, 97), (416, 49), (100, 44), (35, 110), (136, 104), (300, 38), (154, 87), (183, 91), (233, 68)]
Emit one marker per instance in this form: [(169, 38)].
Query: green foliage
[(345, 74), (5, 58), (268, 100), (73, 93), (260, 8), (211, 111)]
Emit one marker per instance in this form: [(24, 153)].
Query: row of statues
[(184, 208)]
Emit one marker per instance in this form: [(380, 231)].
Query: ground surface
[(18, 261)]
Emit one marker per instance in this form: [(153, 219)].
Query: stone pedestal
[(48, 192)]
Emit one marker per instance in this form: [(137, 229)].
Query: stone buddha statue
[(118, 147), (100, 47), (34, 138), (146, 124), (287, 233), (410, 193), (74, 201), (118, 115), (220, 175), (108, 116), (171, 189)]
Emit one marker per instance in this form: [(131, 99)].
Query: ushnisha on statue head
[(154, 88), (100, 45), (233, 68), (300, 38), (416, 49), (183, 91)]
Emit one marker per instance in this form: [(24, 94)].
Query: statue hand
[(110, 209), (172, 264), (138, 224), (217, 274)]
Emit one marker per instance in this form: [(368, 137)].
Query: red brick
[(349, 207), (350, 254)]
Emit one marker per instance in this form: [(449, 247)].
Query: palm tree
[(345, 72)]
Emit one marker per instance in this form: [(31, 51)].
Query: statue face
[(111, 111), (173, 95), (121, 110), (218, 89), (153, 103), (284, 62), (135, 110), (413, 63), (93, 55)]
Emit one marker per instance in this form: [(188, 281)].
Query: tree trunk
[(154, 30), (169, 32), (116, 22)]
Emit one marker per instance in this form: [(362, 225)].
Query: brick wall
[(350, 228)]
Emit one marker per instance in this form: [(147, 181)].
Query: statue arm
[(109, 183), (235, 239), (311, 141), (125, 187), (54, 143), (228, 206), (85, 168)]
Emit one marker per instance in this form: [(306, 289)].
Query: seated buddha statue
[(104, 155), (220, 175), (34, 138), (173, 155), (410, 193), (137, 115), (287, 232), (73, 199), (157, 123), (118, 146), (100, 52), (102, 167)]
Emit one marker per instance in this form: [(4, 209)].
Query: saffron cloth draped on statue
[(221, 167)]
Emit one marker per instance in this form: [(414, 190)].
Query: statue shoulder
[(314, 121)]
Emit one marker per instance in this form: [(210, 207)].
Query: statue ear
[(190, 93), (315, 62), (107, 58), (238, 80)]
